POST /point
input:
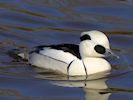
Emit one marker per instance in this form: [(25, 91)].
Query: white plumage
[(83, 59)]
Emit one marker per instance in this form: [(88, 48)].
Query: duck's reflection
[(94, 89), (96, 94)]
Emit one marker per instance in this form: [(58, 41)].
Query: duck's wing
[(61, 52)]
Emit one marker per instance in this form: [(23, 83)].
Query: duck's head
[(95, 44)]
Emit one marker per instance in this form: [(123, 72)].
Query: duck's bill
[(110, 53)]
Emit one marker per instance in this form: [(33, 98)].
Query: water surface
[(28, 23)]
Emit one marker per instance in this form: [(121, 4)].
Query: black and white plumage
[(71, 48), (83, 59)]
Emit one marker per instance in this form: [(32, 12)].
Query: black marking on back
[(100, 49), (85, 37), (71, 48), (69, 67), (85, 69)]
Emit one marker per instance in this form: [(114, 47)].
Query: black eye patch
[(85, 37), (100, 49)]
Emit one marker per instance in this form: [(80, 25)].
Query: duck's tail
[(18, 54)]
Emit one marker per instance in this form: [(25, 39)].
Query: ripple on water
[(25, 23)]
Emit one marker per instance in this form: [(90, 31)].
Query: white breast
[(93, 66), (96, 65)]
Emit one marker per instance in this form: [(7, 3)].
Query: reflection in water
[(97, 89), (96, 94), (93, 89)]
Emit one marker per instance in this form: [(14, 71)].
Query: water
[(28, 23)]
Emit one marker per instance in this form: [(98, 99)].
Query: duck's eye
[(85, 37), (100, 49)]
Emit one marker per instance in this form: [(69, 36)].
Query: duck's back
[(66, 48), (62, 52)]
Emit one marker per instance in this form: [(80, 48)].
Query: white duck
[(84, 59)]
